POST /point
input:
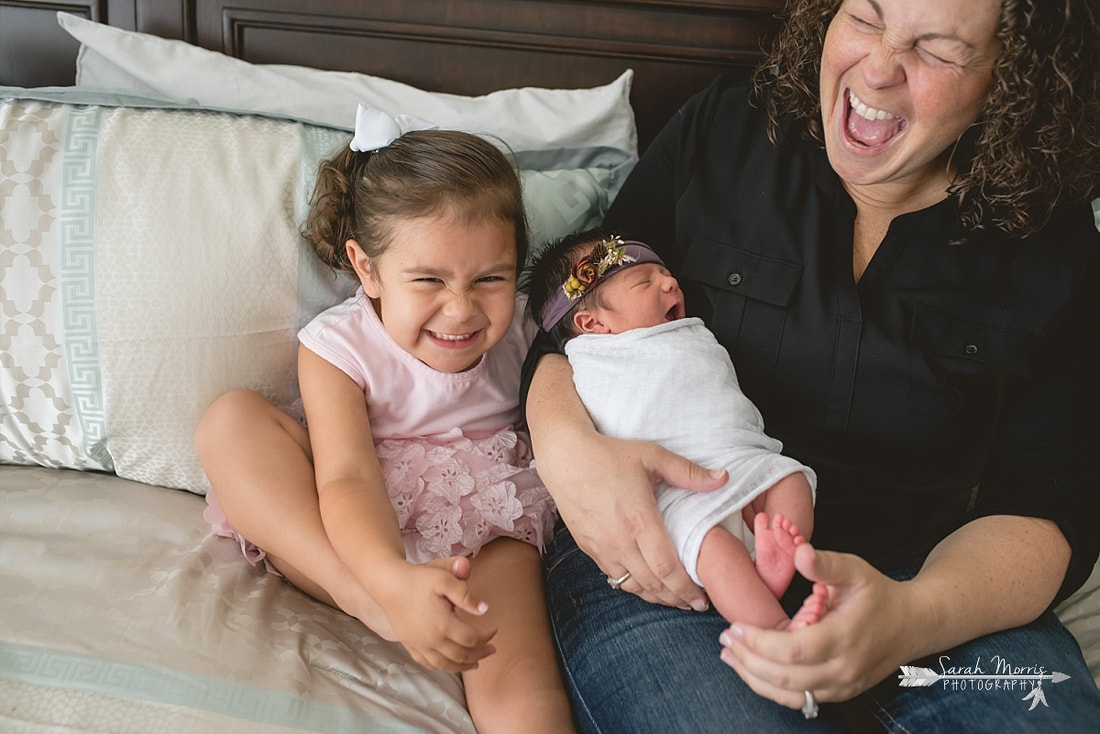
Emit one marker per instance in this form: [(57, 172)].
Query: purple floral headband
[(607, 258)]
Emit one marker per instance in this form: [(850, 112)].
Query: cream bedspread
[(121, 612)]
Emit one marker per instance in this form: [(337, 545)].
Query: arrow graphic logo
[(913, 676), (1036, 697), (916, 677)]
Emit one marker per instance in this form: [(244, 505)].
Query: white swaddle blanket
[(674, 384)]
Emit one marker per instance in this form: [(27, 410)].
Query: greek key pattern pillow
[(150, 260), (39, 419)]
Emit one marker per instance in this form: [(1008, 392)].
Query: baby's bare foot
[(775, 543), (813, 609)]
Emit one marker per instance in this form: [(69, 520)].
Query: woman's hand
[(994, 573), (613, 516), (423, 602), (866, 633)]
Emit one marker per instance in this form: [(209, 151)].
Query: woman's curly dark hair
[(1036, 143)]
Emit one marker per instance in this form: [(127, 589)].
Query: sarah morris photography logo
[(999, 675)]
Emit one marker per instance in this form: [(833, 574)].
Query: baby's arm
[(419, 600)]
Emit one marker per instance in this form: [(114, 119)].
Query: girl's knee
[(222, 418)]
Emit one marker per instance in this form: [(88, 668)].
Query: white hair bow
[(375, 129)]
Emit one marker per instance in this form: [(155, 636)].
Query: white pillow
[(527, 118), (150, 260)]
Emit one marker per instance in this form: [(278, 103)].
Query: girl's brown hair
[(1036, 143), (358, 196)]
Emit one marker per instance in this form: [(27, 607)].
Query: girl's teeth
[(451, 337)]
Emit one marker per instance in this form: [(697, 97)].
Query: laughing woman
[(889, 230)]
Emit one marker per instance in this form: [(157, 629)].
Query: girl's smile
[(445, 288)]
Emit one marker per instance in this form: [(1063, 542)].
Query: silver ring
[(616, 583), (809, 709)]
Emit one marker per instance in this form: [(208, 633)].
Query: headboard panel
[(458, 46)]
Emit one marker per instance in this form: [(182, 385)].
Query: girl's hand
[(423, 602), (866, 633)]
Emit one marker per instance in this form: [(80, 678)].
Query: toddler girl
[(410, 502)]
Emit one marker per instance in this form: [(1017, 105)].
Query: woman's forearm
[(553, 408), (992, 574)]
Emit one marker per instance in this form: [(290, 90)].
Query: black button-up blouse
[(952, 381)]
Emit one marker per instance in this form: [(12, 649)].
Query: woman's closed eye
[(863, 23), (935, 57)]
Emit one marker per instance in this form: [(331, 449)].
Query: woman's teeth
[(868, 113)]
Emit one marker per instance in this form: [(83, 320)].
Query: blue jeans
[(635, 668)]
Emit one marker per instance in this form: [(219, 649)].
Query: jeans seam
[(883, 716), (558, 561), (576, 699)]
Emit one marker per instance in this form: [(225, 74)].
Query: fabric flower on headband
[(590, 268), (375, 129), (607, 258)]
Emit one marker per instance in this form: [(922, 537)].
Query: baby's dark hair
[(358, 196), (548, 271)]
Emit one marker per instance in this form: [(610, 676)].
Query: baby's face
[(639, 296)]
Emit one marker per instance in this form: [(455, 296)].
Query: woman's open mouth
[(868, 126)]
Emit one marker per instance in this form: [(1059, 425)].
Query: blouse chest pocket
[(955, 360), (747, 295)]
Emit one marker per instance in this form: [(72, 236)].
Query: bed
[(155, 159)]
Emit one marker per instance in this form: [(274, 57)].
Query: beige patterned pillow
[(150, 260), (39, 420)]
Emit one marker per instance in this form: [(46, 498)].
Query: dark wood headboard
[(460, 46)]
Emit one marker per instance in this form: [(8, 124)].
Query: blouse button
[(971, 349), (734, 279)]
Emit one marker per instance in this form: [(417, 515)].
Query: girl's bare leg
[(519, 687), (259, 462)]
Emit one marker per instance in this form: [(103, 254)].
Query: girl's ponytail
[(331, 221)]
